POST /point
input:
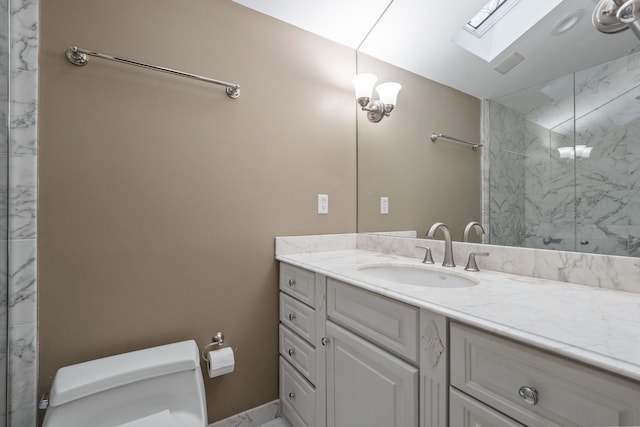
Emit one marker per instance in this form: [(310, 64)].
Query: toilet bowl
[(155, 387)]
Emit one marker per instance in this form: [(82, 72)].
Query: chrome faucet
[(469, 227), (448, 246)]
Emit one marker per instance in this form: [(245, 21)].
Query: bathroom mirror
[(559, 161)]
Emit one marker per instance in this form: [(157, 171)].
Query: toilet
[(155, 387)]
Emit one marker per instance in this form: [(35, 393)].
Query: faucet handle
[(471, 263), (428, 259)]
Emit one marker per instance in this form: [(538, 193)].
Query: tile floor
[(278, 422)]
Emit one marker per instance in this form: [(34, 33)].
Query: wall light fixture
[(387, 92)]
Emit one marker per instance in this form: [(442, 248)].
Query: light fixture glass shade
[(567, 152), (363, 84), (388, 92)]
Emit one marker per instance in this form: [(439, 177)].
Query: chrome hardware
[(529, 395), (292, 396), (292, 283), (292, 317), (474, 146), (448, 247), (292, 352), (44, 402), (79, 56), (428, 259), (584, 242), (548, 240), (325, 341), (471, 263), (469, 227), (216, 340)]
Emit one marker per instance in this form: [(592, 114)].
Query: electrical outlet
[(384, 205), (323, 204)]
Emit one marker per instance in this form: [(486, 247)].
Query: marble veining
[(597, 326), (536, 198)]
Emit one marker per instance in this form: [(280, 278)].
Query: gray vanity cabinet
[(367, 386)]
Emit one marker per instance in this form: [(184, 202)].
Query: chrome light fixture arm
[(376, 110)]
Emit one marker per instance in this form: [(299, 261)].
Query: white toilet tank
[(156, 387)]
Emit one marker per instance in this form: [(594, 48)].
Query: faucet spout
[(469, 227), (448, 246)]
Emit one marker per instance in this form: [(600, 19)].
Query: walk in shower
[(563, 162)]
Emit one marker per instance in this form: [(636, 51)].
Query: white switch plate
[(323, 204), (384, 205)]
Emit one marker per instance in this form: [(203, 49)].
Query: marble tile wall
[(583, 204), (22, 203)]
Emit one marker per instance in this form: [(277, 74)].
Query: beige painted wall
[(425, 182), (160, 197)]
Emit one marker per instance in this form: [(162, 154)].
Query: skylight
[(485, 13)]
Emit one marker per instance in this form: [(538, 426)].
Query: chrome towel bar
[(474, 146), (79, 56)]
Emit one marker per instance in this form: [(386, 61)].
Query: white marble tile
[(278, 422), (22, 197), (22, 375), (22, 282), (325, 242), (24, 35), (254, 417), (23, 115)]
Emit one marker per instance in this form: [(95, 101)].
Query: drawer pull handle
[(325, 341), (292, 396), (292, 352), (292, 317), (529, 395), (292, 283)]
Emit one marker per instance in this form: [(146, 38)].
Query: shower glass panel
[(563, 161), (531, 172)]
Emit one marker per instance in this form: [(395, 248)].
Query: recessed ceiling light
[(567, 23)]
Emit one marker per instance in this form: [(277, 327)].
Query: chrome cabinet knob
[(529, 395), (292, 352), (292, 396), (325, 341), (292, 317), (292, 283)]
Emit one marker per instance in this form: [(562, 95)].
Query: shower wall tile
[(23, 129), (22, 375), (24, 35), (22, 281), (22, 203), (22, 197)]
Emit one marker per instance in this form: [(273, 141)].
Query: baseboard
[(253, 417)]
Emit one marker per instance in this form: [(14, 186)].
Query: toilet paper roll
[(220, 362)]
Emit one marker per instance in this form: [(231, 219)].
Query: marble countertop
[(600, 327)]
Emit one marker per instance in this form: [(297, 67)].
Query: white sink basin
[(409, 275)]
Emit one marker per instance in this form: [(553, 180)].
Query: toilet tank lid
[(84, 379)]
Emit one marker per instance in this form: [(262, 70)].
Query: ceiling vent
[(508, 64)]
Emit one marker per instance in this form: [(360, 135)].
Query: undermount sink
[(409, 275)]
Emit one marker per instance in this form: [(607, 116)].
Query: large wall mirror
[(558, 169)]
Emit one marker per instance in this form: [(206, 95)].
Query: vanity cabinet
[(354, 358), (368, 382), (302, 359), (533, 387)]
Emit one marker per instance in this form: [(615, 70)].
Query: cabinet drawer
[(465, 411), (298, 283), (298, 397), (494, 370), (298, 352), (298, 317), (391, 324)]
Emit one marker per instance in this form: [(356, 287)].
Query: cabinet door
[(367, 386)]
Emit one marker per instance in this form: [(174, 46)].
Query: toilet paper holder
[(216, 340)]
